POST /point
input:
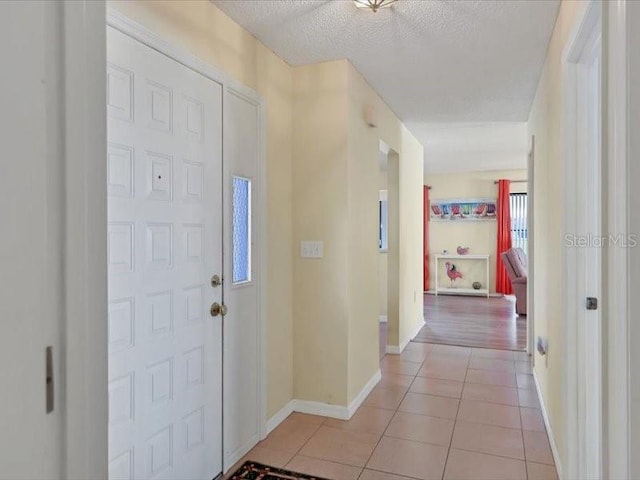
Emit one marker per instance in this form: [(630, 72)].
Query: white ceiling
[(432, 61), (459, 147)]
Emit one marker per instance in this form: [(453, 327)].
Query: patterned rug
[(257, 471)]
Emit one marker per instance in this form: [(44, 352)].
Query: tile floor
[(439, 412)]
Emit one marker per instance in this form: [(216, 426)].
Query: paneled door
[(164, 170)]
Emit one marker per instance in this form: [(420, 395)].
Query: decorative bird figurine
[(462, 250), (452, 273)]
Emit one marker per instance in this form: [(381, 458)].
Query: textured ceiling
[(432, 61)]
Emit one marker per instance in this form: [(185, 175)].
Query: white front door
[(164, 174)]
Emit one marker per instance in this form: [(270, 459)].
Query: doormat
[(257, 471)]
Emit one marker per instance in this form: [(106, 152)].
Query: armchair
[(515, 261)]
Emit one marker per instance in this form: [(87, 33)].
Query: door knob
[(217, 309), (216, 281)]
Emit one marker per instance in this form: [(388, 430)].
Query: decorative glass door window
[(241, 230)]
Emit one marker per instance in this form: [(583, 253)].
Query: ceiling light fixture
[(374, 5)]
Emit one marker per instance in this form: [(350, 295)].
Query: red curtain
[(426, 239), (503, 284)]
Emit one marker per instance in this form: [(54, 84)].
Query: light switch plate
[(311, 249)]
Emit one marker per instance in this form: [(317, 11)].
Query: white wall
[(40, 60)]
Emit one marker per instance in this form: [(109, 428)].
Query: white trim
[(547, 424), (531, 334), (262, 247), (85, 261), (618, 444), (152, 40), (280, 416), (324, 409), (383, 319), (398, 349), (364, 393), (579, 418), (147, 37)]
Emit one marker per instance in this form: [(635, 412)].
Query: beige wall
[(202, 29), (545, 122), (320, 197), (364, 146), (336, 188), (479, 236)]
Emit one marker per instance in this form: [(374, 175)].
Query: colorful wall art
[(464, 210)]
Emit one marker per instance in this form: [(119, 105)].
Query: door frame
[(85, 391), (589, 25), (614, 416), (86, 362), (531, 342), (617, 447)]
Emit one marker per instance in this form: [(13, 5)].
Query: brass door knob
[(217, 309)]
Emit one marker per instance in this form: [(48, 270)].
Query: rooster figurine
[(452, 273), (462, 250)]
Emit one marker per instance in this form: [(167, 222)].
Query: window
[(383, 210), (519, 233), (241, 230)]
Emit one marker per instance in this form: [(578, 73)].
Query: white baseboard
[(398, 349), (552, 439), (383, 319), (364, 393), (324, 409), (280, 416)]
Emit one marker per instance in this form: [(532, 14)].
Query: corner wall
[(545, 122), (364, 151)]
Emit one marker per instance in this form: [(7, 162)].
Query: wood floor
[(473, 322)]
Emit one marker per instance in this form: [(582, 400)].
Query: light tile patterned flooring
[(439, 412)]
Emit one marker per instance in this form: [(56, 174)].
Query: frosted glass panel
[(241, 230)]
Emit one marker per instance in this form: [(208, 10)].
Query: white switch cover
[(311, 249)]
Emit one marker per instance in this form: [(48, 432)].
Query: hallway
[(439, 412)]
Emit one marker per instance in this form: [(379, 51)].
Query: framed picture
[(472, 209)]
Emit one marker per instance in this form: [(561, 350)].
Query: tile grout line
[(307, 441), (394, 414), (455, 420), (524, 447)]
